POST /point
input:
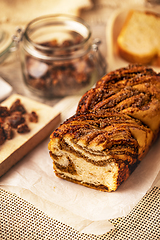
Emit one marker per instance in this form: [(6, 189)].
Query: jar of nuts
[(59, 57)]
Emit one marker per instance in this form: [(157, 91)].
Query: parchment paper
[(35, 174)]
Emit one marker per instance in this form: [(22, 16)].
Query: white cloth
[(5, 89)]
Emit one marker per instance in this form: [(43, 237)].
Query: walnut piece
[(7, 130), (17, 107), (33, 117), (2, 136), (15, 119), (23, 128)]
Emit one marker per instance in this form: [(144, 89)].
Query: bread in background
[(139, 38)]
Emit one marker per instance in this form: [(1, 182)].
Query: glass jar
[(59, 57)]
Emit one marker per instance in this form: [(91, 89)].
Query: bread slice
[(139, 38), (98, 150)]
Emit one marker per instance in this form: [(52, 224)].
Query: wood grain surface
[(15, 149)]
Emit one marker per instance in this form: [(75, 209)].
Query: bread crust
[(112, 130)]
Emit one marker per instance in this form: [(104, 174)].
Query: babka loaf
[(114, 126)]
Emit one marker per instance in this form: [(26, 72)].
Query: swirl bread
[(112, 130)]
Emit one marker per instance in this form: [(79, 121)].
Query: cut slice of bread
[(139, 38)]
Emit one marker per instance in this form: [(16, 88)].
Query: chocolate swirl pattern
[(128, 91), (112, 130)]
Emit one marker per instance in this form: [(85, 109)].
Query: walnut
[(64, 77), (23, 128), (33, 117), (4, 112), (15, 119), (17, 107), (7, 130), (2, 136)]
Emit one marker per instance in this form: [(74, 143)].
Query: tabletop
[(28, 212)]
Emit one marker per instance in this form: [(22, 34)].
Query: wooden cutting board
[(15, 149)]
